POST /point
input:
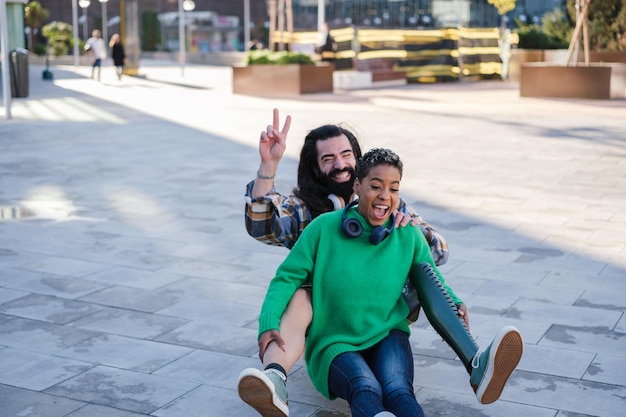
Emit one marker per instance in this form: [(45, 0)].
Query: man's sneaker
[(492, 367), (265, 391)]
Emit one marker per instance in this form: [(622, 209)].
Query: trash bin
[(19, 72)]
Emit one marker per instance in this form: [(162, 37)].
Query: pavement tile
[(39, 336), (426, 342), (54, 285), (606, 297), (218, 311), (23, 402), (122, 389), (608, 369), (46, 308), (211, 336), (9, 295), (133, 298), (129, 323), (437, 403), (210, 400), (36, 371), (125, 352), (530, 291), (64, 266), (92, 410), (567, 394), (133, 277), (565, 315), (209, 368), (587, 339), (556, 361)]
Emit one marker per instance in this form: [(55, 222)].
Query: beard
[(340, 189)]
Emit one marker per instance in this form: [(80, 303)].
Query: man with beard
[(326, 174)]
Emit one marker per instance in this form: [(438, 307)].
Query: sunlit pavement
[(128, 284)]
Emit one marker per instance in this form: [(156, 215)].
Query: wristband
[(264, 177)]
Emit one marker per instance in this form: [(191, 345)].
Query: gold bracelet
[(264, 177)]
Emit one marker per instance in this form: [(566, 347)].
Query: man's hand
[(268, 337), (273, 142), (403, 219), (464, 314)]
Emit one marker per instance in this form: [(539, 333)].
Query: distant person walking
[(118, 54), (326, 45), (96, 46)]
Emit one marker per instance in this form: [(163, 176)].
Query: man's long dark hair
[(312, 188)]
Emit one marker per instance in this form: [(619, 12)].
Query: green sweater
[(356, 288)]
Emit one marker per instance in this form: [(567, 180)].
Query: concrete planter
[(282, 80), (597, 81), (520, 57)]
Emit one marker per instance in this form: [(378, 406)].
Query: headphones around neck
[(352, 228)]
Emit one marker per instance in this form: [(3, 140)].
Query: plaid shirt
[(277, 220)]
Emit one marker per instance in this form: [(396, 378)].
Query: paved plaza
[(129, 286)]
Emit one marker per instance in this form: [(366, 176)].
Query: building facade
[(389, 14)]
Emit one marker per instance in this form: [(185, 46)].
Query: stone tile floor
[(128, 285)]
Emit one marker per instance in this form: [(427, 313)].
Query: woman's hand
[(268, 337)]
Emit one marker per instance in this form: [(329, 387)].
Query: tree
[(151, 31), (503, 6), (606, 23), (34, 16), (557, 28), (60, 37), (279, 10)]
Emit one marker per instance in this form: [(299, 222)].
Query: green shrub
[(60, 37), (40, 49), (557, 27), (532, 37), (150, 31), (267, 57)]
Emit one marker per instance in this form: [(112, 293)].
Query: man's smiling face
[(336, 162)]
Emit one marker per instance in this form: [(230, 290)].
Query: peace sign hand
[(273, 142)]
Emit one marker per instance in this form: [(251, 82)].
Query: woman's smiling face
[(379, 193)]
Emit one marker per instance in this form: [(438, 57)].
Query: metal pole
[(4, 46), (272, 7), (75, 29), (181, 37), (105, 34), (85, 28), (246, 24), (321, 15)]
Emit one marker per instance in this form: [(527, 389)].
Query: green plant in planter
[(533, 37), (60, 37), (267, 57)]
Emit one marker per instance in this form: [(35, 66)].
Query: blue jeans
[(377, 379)]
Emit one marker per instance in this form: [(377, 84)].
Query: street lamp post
[(105, 21), (183, 6), (75, 29), (4, 47), (321, 15), (246, 24), (84, 4)]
